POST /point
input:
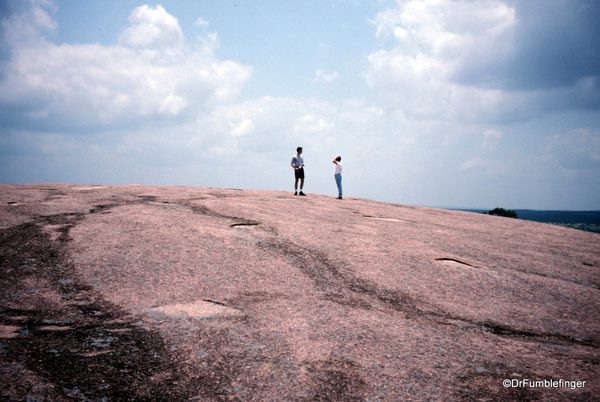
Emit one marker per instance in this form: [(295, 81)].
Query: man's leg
[(296, 184), (301, 184)]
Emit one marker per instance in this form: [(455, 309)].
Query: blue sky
[(468, 104)]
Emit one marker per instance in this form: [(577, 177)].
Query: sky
[(448, 103)]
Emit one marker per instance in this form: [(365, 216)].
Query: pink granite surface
[(183, 293)]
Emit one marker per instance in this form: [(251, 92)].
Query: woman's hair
[(339, 159)]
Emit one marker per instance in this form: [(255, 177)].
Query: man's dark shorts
[(299, 173)]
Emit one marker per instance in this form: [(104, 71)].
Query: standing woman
[(338, 175)]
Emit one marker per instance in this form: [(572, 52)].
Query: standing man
[(298, 165), (338, 175)]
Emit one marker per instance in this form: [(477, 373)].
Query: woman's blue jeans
[(338, 181)]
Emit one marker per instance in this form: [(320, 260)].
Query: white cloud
[(321, 76), (155, 72), (477, 60), (201, 22), (245, 127), (447, 28), (434, 40), (172, 104), (152, 26), (26, 28), (312, 124)]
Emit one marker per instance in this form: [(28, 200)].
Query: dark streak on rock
[(588, 284), (454, 260), (339, 288), (592, 285), (203, 210), (249, 223), (337, 380), (345, 288), (95, 353), (215, 302), (506, 331), (101, 208), (67, 220)]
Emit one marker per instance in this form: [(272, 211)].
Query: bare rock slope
[(179, 293)]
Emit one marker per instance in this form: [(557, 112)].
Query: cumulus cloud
[(433, 40), (152, 26), (465, 60), (154, 72)]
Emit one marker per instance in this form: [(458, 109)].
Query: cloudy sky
[(455, 103)]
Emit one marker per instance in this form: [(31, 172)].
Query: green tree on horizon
[(503, 212)]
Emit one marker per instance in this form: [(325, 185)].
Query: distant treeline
[(582, 220), (590, 217)]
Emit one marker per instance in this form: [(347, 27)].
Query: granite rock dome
[(187, 293)]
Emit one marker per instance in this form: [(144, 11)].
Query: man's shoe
[(295, 193), (339, 198), (301, 193)]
